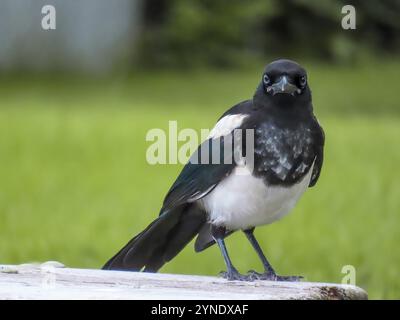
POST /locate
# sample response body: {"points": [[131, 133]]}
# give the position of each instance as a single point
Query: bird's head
{"points": [[283, 83]]}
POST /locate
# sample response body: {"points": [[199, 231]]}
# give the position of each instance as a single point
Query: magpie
{"points": [[214, 199]]}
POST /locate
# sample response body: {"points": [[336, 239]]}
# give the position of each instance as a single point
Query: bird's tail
{"points": [[161, 241]]}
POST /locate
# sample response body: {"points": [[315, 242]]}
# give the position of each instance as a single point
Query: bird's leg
{"points": [[218, 234], [269, 272], [267, 266]]}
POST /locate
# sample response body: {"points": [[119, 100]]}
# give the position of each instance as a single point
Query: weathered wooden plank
{"points": [[52, 281]]}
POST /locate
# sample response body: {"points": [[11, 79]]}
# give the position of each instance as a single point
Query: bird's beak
{"points": [[283, 85]]}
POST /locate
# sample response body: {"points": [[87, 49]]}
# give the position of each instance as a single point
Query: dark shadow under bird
{"points": [[212, 199]]}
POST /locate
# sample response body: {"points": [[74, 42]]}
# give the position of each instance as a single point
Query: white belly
{"points": [[242, 201]]}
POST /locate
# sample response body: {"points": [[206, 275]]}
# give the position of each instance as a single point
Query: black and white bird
{"points": [[212, 200]]}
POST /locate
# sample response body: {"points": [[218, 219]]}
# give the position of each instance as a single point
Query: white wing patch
{"points": [[226, 125]]}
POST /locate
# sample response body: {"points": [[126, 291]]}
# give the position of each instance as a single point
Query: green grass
{"points": [[75, 185]]}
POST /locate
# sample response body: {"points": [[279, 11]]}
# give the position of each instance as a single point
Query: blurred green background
{"points": [[75, 184]]}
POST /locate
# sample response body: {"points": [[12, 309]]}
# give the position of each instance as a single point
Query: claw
{"points": [[235, 275], [272, 277]]}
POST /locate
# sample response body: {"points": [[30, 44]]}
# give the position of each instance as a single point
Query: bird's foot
{"points": [[272, 276], [235, 275]]}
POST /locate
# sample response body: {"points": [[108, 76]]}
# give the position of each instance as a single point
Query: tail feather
{"points": [[161, 241], [205, 238]]}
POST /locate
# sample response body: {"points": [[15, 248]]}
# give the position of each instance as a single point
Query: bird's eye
{"points": [[302, 81], [266, 79]]}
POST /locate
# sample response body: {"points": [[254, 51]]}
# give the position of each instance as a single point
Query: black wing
{"points": [[199, 177], [319, 151]]}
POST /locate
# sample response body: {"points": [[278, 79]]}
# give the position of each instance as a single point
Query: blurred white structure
{"points": [[51, 281], [90, 35]]}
